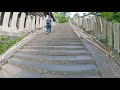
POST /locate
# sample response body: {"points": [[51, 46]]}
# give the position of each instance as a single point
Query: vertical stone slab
{"points": [[94, 26], [89, 27], [98, 28], [41, 22], [44, 21], [103, 29], [22, 21], [109, 34], [0, 14], [33, 23], [116, 30], [86, 24], [80, 22], [28, 24], [37, 22], [14, 20], [6, 19], [83, 23]]}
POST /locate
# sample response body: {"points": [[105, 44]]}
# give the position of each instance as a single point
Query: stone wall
{"points": [[105, 31], [20, 23]]}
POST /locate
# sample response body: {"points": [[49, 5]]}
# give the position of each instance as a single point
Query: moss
{"points": [[104, 41]]}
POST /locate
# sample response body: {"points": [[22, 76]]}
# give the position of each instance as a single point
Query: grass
{"points": [[7, 42]]}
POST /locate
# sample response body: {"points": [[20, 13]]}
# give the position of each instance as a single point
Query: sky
{"points": [[80, 13]]}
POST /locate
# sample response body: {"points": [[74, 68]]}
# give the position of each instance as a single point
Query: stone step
{"points": [[11, 69], [55, 59], [55, 47], [59, 40], [55, 41], [54, 44], [4, 74], [28, 74], [32, 74], [54, 52], [81, 69]]}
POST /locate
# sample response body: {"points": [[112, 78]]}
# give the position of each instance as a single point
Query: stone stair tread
{"points": [[87, 68], [56, 44], [67, 59], [4, 74], [28, 74], [11, 69], [55, 47], [54, 52]]}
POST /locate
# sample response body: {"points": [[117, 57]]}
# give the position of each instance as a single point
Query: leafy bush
{"points": [[7, 42]]}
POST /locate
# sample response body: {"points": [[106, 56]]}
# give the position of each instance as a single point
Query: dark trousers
{"points": [[48, 28]]}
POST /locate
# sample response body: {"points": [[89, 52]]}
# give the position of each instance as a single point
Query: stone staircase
{"points": [[58, 55]]}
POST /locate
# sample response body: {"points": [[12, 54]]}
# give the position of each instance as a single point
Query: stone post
{"points": [[109, 34]]}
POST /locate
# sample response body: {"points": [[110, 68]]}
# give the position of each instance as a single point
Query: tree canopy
{"points": [[110, 16], [62, 17]]}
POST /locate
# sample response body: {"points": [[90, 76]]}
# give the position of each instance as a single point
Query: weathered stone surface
{"points": [[116, 30], [33, 23], [37, 22], [6, 19], [41, 22], [14, 20], [104, 29], [12, 70], [109, 34], [22, 21], [98, 28], [28, 24]]}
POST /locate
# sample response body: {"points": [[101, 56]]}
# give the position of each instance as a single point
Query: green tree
{"points": [[110, 16], [62, 17]]}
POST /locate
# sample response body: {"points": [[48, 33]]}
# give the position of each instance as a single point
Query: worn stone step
{"points": [[54, 44], [55, 41], [55, 47], [54, 52], [4, 74], [55, 59], [81, 69], [28, 74], [32, 74], [11, 69]]}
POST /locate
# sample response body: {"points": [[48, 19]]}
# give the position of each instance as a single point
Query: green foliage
{"points": [[110, 16], [7, 42], [62, 17]]}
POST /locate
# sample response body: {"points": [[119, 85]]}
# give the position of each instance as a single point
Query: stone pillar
{"points": [[80, 22], [28, 24], [44, 21], [22, 21], [109, 34], [98, 28], [6, 19], [33, 23], [14, 20], [94, 26], [37, 22], [86, 24], [116, 30], [104, 29], [83, 23], [41, 22]]}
